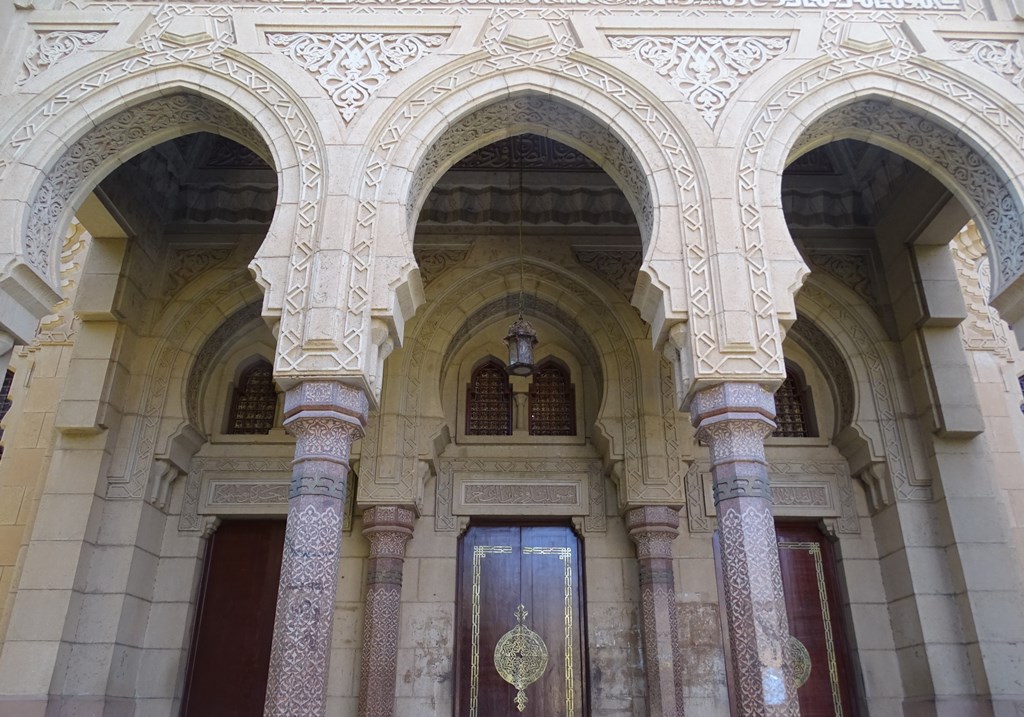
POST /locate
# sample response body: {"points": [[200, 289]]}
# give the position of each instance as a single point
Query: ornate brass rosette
{"points": [[799, 660], [520, 657]]}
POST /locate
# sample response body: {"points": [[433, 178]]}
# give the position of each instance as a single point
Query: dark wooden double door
{"points": [[234, 630], [519, 645], [812, 606]]}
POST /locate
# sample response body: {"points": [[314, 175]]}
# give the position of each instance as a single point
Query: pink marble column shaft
{"points": [[388, 528], [733, 419], [653, 529], [325, 417]]}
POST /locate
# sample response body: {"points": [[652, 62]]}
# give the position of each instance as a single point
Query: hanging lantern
{"points": [[520, 341]]}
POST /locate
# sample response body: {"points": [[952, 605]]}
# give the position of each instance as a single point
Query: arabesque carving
{"points": [[707, 69], [1003, 57], [52, 48], [352, 66]]}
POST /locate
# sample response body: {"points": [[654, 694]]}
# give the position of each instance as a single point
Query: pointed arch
{"points": [[459, 108], [118, 113], [919, 113]]}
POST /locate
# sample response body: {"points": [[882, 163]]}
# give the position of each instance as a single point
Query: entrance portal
{"points": [[520, 648]]}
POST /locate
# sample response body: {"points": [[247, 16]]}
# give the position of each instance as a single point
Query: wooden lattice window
{"points": [[489, 401], [254, 404], [793, 410], [552, 401], [5, 401]]}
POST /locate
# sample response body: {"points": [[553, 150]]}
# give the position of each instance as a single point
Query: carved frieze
{"points": [[569, 487]]}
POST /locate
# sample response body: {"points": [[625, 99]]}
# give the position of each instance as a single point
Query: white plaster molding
{"points": [[352, 66], [707, 69], [52, 48]]}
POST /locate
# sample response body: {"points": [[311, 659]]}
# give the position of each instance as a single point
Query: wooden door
{"points": [[230, 655], [519, 646], [812, 605]]}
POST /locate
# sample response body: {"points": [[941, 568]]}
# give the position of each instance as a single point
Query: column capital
{"points": [[388, 528], [325, 417], [652, 517], [327, 399], [733, 419], [733, 400]]}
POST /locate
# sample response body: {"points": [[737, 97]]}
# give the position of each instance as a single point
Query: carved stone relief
{"points": [[352, 66], [853, 268], [983, 330], [471, 486], [618, 266], [61, 326], [1003, 57], [906, 484], [74, 169], [435, 261], [707, 69], [51, 48]]}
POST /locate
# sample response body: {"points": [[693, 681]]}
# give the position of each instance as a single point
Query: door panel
{"points": [[812, 604], [230, 655], [519, 619]]}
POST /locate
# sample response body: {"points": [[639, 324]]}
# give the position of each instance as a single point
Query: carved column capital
{"points": [[733, 419], [654, 529], [325, 417], [388, 527]]}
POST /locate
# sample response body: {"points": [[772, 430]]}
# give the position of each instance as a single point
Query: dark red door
{"points": [[230, 655], [812, 604], [519, 650]]}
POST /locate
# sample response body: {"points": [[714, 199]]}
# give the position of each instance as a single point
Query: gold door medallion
{"points": [[520, 657]]}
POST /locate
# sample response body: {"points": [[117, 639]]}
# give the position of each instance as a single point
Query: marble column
{"points": [[733, 419], [388, 528], [653, 529], [325, 417]]}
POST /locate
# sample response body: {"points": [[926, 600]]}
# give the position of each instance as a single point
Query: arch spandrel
{"points": [[960, 141]]}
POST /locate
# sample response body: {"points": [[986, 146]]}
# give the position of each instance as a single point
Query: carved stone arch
{"points": [[971, 144], [873, 437], [164, 421], [613, 333], [217, 95], [209, 352], [647, 140]]}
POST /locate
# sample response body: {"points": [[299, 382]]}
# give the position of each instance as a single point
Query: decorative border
{"points": [[541, 472]]}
